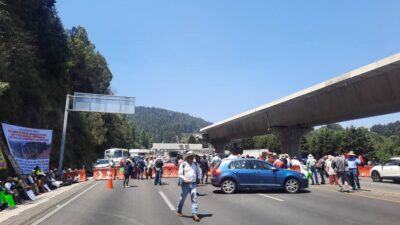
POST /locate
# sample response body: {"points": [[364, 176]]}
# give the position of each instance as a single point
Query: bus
{"points": [[116, 154]]}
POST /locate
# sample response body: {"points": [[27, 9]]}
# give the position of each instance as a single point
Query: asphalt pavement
{"points": [[145, 204]]}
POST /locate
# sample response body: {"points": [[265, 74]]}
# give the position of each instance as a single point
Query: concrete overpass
{"points": [[371, 90]]}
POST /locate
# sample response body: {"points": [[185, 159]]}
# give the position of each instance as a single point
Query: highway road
{"points": [[145, 204]]}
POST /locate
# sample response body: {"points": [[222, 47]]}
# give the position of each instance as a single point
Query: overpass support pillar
{"points": [[290, 138], [219, 145]]}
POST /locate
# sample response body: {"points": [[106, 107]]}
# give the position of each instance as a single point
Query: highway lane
{"points": [[144, 203]]}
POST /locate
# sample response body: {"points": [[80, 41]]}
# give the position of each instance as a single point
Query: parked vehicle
{"points": [[116, 155], [389, 170], [103, 163], [237, 174]]}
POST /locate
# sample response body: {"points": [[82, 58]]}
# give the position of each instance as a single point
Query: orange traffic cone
{"points": [[110, 184]]}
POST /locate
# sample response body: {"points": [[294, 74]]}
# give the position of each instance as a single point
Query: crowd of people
{"points": [[26, 187], [341, 170]]}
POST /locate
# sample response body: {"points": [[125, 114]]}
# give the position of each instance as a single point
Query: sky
{"points": [[217, 58]]}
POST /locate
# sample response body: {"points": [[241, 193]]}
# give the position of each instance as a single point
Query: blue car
{"points": [[237, 174]]}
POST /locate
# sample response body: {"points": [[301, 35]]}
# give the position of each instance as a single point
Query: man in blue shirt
{"points": [[353, 163]]}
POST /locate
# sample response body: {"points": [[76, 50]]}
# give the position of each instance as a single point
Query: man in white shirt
{"points": [[189, 175], [215, 160]]}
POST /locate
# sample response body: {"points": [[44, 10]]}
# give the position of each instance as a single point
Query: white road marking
{"points": [[63, 205], [171, 207], [267, 196]]}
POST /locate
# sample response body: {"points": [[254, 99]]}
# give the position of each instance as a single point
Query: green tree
{"points": [[191, 140], [268, 141]]}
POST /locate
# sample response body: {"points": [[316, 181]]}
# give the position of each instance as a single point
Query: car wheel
{"points": [[228, 186], [397, 180], [376, 177], [292, 185]]}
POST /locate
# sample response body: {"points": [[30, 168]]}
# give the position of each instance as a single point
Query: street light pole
{"points": [[64, 131]]}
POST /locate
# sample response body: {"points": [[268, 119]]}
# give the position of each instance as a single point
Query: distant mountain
{"points": [[163, 125]]}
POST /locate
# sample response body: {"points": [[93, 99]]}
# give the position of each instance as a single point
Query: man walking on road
{"points": [[204, 169], [353, 162], [321, 168], [339, 165], [189, 174], [158, 164], [128, 171]]}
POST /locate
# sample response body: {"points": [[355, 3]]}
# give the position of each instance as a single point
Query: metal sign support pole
{"points": [[60, 163]]}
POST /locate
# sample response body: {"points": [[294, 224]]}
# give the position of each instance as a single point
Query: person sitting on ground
{"points": [[11, 190], [31, 181], [22, 188]]}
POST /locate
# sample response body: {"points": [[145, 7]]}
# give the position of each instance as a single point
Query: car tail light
{"points": [[216, 172]]}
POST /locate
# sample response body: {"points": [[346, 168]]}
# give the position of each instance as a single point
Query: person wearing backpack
{"points": [[158, 164], [312, 166], [141, 166], [189, 176], [321, 168], [128, 170]]}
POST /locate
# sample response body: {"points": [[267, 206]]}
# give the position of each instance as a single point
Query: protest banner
{"points": [[29, 147], [3, 163]]}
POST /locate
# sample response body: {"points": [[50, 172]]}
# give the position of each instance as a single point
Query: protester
{"points": [[295, 161], [128, 171], [11, 189], [141, 167], [353, 163], [215, 160], [189, 174], [204, 169], [330, 171], [284, 160], [321, 168], [312, 166], [279, 162], [340, 164], [150, 167], [158, 164], [31, 181], [233, 156]]}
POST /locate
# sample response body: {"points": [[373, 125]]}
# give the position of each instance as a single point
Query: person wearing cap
{"points": [[353, 163], [189, 175]]}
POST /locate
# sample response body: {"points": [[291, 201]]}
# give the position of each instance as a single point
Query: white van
{"points": [[116, 155]]}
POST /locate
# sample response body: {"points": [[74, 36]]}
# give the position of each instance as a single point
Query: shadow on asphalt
{"points": [[201, 195], [263, 191], [201, 216], [131, 186]]}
